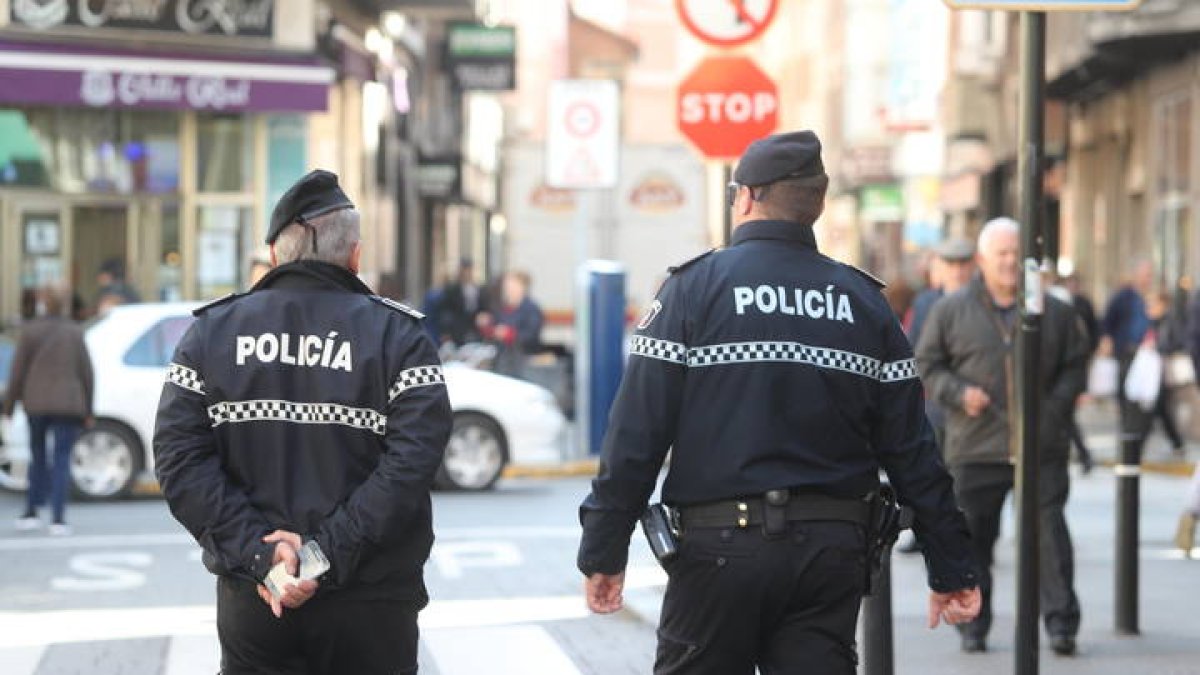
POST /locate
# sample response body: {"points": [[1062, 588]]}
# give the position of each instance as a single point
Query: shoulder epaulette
{"points": [[689, 262], [868, 276], [219, 301], [398, 306]]}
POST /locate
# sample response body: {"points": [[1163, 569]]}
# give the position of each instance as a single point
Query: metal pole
{"points": [[583, 359], [727, 221], [1028, 347], [1128, 477], [878, 652]]}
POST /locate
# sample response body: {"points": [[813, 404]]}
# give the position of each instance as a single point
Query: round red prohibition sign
{"points": [[582, 118], [726, 23]]}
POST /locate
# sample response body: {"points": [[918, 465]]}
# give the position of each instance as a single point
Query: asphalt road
{"points": [[127, 593]]}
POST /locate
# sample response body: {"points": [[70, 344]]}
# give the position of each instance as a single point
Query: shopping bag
{"points": [[1178, 370], [1102, 377], [1145, 376]]}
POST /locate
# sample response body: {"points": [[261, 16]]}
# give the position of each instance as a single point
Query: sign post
{"points": [[1029, 337], [582, 143]]}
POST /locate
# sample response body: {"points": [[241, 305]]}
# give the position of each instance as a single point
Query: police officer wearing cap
{"points": [[781, 382], [308, 411]]}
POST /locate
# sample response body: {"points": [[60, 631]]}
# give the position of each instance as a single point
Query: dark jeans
{"points": [[366, 629], [53, 480], [737, 599], [981, 490]]}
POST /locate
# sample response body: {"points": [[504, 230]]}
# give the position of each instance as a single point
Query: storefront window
{"points": [[98, 151], [1174, 182], [223, 153], [225, 240]]}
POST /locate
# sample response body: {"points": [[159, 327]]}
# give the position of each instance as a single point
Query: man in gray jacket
{"points": [[965, 356]]}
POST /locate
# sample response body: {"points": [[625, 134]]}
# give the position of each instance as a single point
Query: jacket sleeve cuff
{"points": [[950, 581], [259, 560]]}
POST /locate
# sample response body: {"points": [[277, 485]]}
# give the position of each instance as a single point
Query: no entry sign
{"points": [[726, 23], [725, 104]]}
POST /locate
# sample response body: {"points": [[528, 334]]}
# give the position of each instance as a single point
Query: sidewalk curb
{"points": [[1180, 468], [580, 467]]}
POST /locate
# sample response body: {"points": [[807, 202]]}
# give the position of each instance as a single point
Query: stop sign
{"points": [[724, 104]]}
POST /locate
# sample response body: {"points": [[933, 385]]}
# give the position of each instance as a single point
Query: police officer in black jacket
{"points": [[308, 410], [781, 382]]}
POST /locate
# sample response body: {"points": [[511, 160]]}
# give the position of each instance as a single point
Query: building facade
{"points": [[150, 134], [1130, 83]]}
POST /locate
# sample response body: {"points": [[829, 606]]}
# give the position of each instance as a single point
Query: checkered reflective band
{"points": [[795, 352], [896, 371], [298, 413], [663, 350], [185, 377], [421, 376]]}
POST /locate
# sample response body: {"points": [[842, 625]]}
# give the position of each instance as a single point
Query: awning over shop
{"points": [[81, 76]]}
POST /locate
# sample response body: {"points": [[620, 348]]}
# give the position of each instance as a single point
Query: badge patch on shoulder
{"points": [[651, 313]]}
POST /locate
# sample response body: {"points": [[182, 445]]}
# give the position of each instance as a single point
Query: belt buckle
{"points": [[743, 515]]}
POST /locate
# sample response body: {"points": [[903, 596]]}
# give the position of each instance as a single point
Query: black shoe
{"points": [[973, 645], [1063, 645]]}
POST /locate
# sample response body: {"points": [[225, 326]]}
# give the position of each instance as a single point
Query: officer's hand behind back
{"points": [[954, 607], [603, 592]]}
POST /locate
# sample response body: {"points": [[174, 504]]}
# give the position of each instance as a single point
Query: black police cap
{"points": [[314, 195], [792, 155]]}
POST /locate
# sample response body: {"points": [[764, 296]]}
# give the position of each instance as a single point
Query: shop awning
{"points": [[83, 76]]}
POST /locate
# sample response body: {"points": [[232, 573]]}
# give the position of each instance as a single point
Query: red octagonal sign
{"points": [[725, 104]]}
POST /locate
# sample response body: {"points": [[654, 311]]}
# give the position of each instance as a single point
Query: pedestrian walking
{"points": [[781, 382], [966, 357], [52, 378], [304, 420], [1167, 335], [950, 270], [1124, 327], [1066, 289], [1185, 532], [461, 303]]}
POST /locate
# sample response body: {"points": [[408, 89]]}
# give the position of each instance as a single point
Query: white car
{"points": [[497, 420]]}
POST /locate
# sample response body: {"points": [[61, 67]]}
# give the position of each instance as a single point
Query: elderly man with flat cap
{"points": [[298, 433], [781, 383]]}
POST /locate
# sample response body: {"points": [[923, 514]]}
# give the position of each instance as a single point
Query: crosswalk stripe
{"points": [[21, 660], [508, 650], [193, 655], [505, 625]]}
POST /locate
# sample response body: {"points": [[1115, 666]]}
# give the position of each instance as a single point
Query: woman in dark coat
{"points": [[52, 378]]}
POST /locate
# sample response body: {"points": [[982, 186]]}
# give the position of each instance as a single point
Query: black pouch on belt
{"points": [[775, 513]]}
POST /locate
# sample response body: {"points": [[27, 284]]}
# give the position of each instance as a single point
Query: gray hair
{"points": [[996, 226], [336, 235]]}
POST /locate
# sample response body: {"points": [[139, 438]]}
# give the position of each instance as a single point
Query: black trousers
{"points": [[367, 629], [737, 599], [981, 489]]}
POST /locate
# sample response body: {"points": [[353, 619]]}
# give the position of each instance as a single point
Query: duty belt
{"points": [[773, 509]]}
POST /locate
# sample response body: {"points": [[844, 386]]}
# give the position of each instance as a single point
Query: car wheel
{"points": [[475, 455], [105, 462]]}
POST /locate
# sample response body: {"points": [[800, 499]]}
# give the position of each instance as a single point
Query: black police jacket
{"points": [[767, 365], [308, 405]]}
